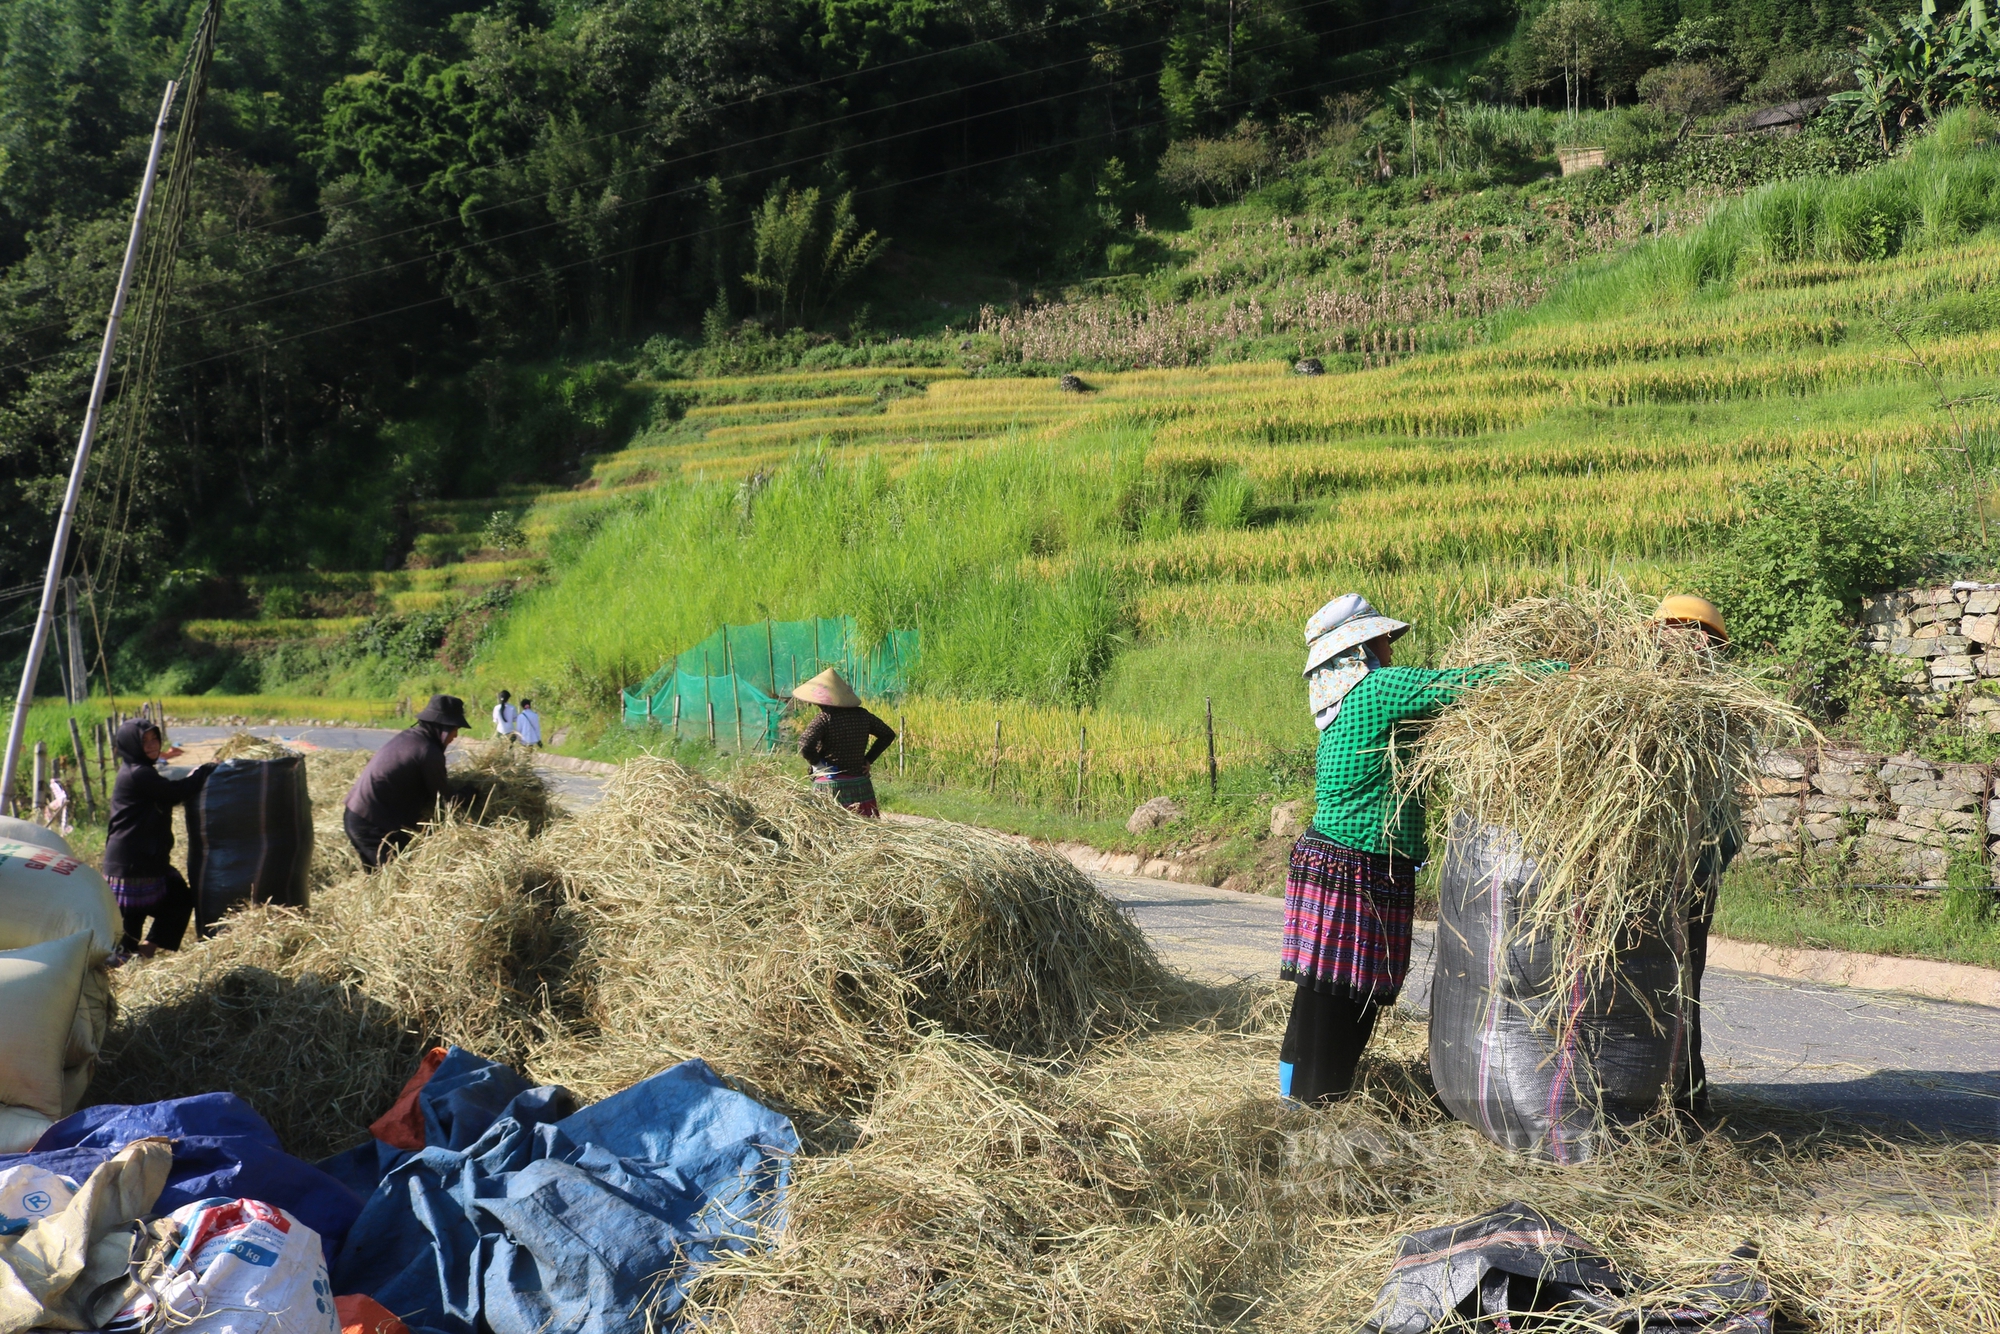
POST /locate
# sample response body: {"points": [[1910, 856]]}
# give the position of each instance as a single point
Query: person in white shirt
{"points": [[504, 717], [528, 725]]}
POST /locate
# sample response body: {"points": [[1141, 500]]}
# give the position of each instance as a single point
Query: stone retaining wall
{"points": [[1900, 817], [1946, 640]]}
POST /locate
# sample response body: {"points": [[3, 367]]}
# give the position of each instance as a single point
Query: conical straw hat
{"points": [[828, 688]]}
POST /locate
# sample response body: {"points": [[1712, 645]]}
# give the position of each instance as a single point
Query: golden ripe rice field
{"points": [[1226, 503]]}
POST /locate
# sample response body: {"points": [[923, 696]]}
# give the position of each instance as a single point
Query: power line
{"points": [[544, 273]]}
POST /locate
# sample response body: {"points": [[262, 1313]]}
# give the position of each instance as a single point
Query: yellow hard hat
{"points": [[1687, 607]]}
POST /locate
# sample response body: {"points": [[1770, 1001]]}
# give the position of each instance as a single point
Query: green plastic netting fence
{"points": [[731, 688]]}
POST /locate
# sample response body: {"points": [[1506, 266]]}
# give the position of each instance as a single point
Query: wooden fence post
{"points": [[1082, 739], [1210, 706], [82, 767]]}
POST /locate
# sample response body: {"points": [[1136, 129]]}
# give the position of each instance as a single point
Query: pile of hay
{"points": [[810, 947], [797, 947], [317, 1018], [329, 774], [1616, 775], [500, 782], [1021, 1121], [1160, 1186]]}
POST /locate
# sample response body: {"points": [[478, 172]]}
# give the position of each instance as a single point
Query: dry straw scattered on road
{"points": [[1014, 1119]]}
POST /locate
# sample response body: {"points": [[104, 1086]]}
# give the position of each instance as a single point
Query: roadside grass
{"points": [[1961, 926]]}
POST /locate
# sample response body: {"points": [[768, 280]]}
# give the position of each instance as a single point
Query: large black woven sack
{"points": [[1534, 1072], [250, 837]]}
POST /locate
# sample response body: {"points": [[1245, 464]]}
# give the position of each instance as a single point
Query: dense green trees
{"points": [[415, 218]]}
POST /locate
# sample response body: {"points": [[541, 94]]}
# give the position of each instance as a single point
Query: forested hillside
{"points": [[430, 249]]}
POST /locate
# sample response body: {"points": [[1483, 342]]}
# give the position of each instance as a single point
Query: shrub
{"points": [[1218, 169], [1686, 91], [1792, 577]]}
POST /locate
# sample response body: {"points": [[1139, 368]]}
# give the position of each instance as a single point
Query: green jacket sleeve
{"points": [[1419, 692]]}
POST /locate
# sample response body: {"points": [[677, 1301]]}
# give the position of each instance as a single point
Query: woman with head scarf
{"points": [[843, 743], [140, 836], [1351, 888], [404, 783]]}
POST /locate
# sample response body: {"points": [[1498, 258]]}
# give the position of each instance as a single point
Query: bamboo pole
{"points": [[902, 746], [41, 781], [66, 519], [993, 784]]}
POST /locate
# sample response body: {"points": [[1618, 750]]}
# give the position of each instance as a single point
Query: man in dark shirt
{"points": [[843, 743], [404, 783]]}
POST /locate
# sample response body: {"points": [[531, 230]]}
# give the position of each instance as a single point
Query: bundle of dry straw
{"points": [[792, 944], [500, 782], [1616, 775], [250, 746]]}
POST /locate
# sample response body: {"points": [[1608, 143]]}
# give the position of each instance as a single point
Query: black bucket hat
{"points": [[445, 711]]}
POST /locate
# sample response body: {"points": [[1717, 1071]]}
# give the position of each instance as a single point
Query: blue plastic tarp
{"points": [[521, 1217], [221, 1148]]}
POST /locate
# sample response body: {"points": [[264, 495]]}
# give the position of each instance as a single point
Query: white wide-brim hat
{"points": [[1344, 622]]}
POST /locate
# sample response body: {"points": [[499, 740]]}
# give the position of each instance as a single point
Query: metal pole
{"points": [[82, 766], [1210, 705], [59, 549]]}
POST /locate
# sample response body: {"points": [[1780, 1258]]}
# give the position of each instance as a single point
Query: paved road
{"points": [[1878, 1057]]}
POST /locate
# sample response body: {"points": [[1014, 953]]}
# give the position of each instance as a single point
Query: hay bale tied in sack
{"points": [[1588, 805], [804, 949]]}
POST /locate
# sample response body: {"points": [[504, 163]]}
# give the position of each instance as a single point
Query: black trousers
{"points": [[170, 917], [1692, 1091], [374, 845], [1323, 1042]]}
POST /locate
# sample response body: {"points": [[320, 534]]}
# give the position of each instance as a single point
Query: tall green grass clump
{"points": [[1944, 190], [947, 546]]}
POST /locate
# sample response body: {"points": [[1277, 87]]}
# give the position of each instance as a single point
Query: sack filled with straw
{"points": [[1615, 776]]}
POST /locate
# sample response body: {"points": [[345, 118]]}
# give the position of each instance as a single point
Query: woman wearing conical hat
{"points": [[843, 743]]}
